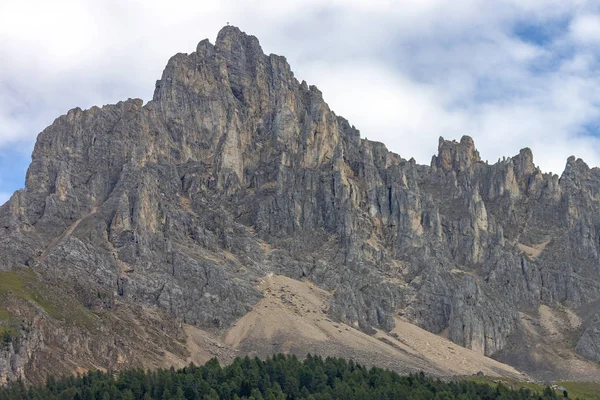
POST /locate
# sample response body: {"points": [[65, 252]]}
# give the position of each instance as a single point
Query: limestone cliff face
{"points": [[15, 354], [235, 169]]}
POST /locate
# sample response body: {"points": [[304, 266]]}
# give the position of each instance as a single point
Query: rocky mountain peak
{"points": [[230, 38], [523, 162], [235, 170], [575, 167], [453, 156]]}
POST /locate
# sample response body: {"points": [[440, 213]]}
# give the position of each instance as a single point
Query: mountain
{"points": [[236, 213]]}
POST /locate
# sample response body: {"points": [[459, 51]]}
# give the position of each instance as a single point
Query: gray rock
{"points": [[588, 344], [235, 169]]}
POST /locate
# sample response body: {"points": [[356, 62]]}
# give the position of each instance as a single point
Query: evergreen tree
{"points": [[277, 378]]}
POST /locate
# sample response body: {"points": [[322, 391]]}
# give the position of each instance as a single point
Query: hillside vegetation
{"points": [[280, 377]]}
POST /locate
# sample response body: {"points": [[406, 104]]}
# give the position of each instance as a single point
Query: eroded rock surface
{"points": [[235, 169]]}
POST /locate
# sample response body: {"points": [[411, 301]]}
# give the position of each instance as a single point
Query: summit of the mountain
{"points": [[234, 171]]}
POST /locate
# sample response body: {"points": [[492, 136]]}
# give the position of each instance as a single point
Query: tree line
{"points": [[277, 378]]}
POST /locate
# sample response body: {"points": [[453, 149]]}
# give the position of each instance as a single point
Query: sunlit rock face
{"points": [[235, 170]]}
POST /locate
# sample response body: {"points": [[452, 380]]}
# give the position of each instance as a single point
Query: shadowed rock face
{"points": [[235, 170]]}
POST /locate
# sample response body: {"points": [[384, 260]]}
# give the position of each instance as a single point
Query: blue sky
{"points": [[509, 73]]}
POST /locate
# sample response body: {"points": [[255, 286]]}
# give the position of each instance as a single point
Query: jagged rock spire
{"points": [[453, 156]]}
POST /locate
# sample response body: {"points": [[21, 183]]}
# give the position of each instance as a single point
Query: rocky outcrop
{"points": [[588, 344], [235, 169], [16, 351]]}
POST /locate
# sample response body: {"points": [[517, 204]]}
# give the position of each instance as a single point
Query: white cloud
{"points": [[404, 72], [586, 29]]}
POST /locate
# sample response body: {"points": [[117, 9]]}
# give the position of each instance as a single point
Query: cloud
{"points": [[510, 73], [586, 29]]}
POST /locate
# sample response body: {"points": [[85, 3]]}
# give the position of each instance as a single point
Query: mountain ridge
{"points": [[236, 170]]}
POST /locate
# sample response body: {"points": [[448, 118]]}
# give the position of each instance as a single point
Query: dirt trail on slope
{"points": [[63, 236]]}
